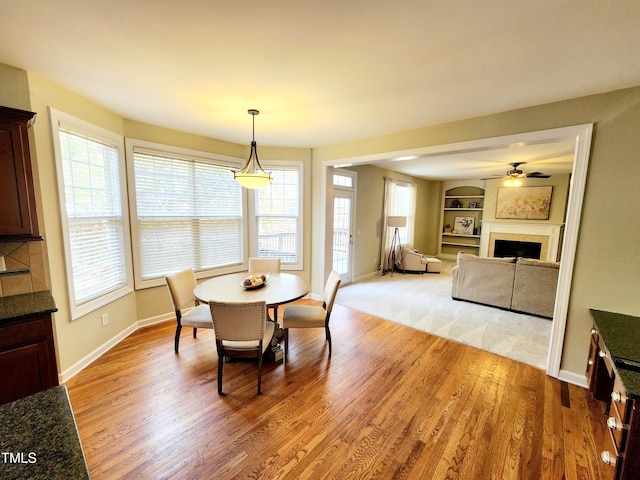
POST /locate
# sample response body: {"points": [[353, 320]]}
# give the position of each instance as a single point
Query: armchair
{"points": [[413, 261]]}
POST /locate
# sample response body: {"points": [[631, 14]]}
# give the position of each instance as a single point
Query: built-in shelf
{"points": [[463, 198], [453, 244], [21, 271]]}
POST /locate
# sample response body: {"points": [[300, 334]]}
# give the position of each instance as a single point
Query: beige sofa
{"points": [[522, 284]]}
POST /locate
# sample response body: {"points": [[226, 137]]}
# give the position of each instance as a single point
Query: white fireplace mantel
{"points": [[551, 231]]}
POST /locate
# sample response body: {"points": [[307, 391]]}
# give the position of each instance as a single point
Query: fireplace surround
{"points": [[546, 233]]}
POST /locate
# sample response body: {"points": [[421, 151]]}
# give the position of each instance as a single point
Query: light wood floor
{"points": [[392, 402]]}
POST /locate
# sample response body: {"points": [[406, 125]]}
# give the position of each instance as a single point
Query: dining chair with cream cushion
{"points": [[264, 265], [181, 285], [242, 331], [311, 316]]}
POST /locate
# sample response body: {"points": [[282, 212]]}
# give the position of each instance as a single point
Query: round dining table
{"points": [[280, 288]]}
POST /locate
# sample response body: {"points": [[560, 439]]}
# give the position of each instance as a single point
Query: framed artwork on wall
{"points": [[524, 203], [464, 225]]}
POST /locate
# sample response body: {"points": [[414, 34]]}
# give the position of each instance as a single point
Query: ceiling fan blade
{"points": [[537, 175]]}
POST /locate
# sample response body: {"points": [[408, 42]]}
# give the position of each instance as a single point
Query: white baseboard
{"points": [[84, 362], [574, 378], [155, 320], [365, 277]]}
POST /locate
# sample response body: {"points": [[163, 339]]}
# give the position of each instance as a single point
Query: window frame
{"points": [[131, 144], [63, 121], [253, 218]]}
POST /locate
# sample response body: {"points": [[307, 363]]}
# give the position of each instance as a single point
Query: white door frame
{"points": [[350, 194], [581, 136]]}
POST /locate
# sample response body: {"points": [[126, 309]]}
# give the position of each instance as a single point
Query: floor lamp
{"points": [[395, 223]]}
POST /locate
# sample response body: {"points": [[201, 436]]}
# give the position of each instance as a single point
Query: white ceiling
{"points": [[547, 158], [327, 71]]}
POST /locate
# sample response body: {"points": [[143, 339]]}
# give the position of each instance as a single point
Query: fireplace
{"points": [[514, 248], [546, 234]]}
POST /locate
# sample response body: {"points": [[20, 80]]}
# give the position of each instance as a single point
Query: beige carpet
{"points": [[424, 302]]}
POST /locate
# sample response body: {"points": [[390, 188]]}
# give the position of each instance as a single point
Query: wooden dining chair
{"points": [[312, 316], [181, 285], [242, 331]]}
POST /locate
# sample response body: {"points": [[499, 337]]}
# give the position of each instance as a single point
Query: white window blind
{"points": [[278, 217], [404, 205], [90, 172], [189, 214]]}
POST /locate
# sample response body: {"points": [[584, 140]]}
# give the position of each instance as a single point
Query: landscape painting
{"points": [[524, 203]]}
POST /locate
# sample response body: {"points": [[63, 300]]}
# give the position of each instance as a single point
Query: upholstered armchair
{"points": [[410, 260]]}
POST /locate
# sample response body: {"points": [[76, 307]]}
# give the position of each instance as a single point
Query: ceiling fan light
{"points": [[512, 182]]}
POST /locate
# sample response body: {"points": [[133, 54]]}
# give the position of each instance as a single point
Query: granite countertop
{"points": [[17, 306], [621, 335], [39, 438]]}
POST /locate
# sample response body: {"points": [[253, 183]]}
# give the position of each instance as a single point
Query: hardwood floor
{"points": [[392, 402]]}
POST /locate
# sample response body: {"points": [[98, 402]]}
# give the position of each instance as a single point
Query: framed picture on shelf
{"points": [[473, 204], [464, 225]]}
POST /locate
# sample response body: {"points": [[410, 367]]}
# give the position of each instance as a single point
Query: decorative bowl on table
{"points": [[255, 280]]}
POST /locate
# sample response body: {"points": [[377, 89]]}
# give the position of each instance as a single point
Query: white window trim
{"points": [[253, 234], [132, 144], [57, 119], [345, 173]]}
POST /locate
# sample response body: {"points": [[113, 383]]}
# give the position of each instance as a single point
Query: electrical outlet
{"points": [[105, 319]]}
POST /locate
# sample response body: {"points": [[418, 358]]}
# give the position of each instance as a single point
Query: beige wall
{"points": [[14, 88], [560, 184], [81, 338], [369, 200], [607, 265]]}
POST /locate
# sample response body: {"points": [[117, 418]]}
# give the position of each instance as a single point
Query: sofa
{"points": [[519, 284], [411, 260]]}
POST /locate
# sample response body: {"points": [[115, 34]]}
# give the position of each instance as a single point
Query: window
{"points": [[187, 210], [278, 217], [90, 168], [403, 205], [343, 180], [399, 200]]}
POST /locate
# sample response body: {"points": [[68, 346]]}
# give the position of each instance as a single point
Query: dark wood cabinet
{"points": [[599, 372], [27, 357], [18, 219], [621, 409]]}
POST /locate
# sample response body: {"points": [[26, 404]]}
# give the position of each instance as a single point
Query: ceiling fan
{"points": [[516, 173]]}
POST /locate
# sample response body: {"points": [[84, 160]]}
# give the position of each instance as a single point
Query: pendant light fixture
{"points": [[252, 174]]}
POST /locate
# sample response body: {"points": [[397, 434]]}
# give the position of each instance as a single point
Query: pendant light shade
{"points": [[252, 174]]}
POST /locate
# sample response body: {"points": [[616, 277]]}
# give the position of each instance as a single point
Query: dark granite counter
{"points": [[17, 306], [621, 335], [39, 438]]}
